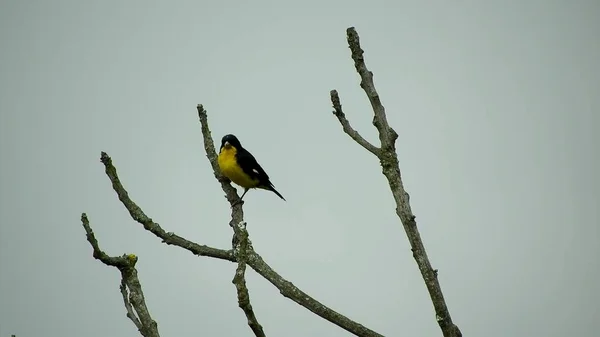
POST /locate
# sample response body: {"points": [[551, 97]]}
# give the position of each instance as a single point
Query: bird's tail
{"points": [[271, 188]]}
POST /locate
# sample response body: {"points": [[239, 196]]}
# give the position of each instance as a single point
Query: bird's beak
{"points": [[227, 145]]}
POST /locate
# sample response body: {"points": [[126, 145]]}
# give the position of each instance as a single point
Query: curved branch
{"points": [[138, 215]]}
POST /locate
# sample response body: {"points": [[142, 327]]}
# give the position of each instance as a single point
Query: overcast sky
{"points": [[497, 109]]}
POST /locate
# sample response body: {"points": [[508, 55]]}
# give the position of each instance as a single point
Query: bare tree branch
{"points": [[391, 169], [254, 260], [387, 135], [134, 301], [138, 215], [337, 111], [237, 212], [239, 280], [242, 251]]}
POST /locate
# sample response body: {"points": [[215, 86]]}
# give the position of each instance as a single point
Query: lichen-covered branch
{"points": [[239, 280], [131, 289], [391, 169]]}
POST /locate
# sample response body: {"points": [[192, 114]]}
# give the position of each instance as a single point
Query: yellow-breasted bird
{"points": [[240, 166]]}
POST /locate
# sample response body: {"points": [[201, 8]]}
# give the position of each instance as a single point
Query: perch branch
{"points": [[131, 289], [237, 212], [240, 241], [285, 287], [391, 169], [239, 280]]}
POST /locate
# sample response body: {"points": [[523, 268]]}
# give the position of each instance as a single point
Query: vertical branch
{"points": [[131, 289], [388, 159], [237, 212], [239, 280], [388, 136], [240, 241]]}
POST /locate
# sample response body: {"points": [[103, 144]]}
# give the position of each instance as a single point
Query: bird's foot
{"points": [[237, 202]]}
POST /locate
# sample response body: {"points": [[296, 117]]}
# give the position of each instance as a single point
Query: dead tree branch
{"points": [[138, 215], [388, 159], [286, 288], [239, 280], [339, 113], [131, 289], [254, 260], [240, 242], [242, 251]]}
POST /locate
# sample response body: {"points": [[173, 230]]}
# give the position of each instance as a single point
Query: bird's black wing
{"points": [[251, 167]]}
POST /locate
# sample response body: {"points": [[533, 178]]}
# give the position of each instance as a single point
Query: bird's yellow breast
{"points": [[230, 168]]}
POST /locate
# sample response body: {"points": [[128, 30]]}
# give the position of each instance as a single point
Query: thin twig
{"points": [[337, 111], [391, 169], [135, 304], [239, 280]]}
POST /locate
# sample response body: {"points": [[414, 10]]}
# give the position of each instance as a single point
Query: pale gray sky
{"points": [[497, 108]]}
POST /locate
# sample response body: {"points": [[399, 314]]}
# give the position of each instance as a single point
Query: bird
{"points": [[240, 166]]}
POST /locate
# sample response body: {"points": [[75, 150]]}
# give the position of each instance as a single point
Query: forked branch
{"points": [[131, 289], [388, 159], [254, 260], [348, 129]]}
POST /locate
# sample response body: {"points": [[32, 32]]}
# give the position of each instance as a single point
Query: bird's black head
{"points": [[230, 140]]}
